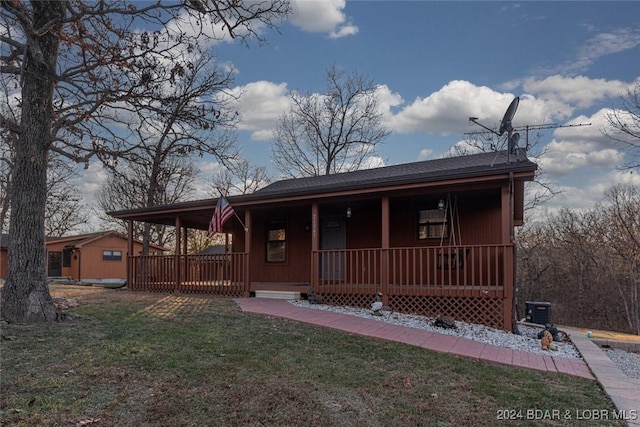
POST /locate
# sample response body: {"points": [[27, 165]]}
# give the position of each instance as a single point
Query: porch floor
{"points": [[425, 339]]}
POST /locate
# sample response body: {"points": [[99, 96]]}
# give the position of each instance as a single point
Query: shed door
{"points": [[333, 238], [54, 264]]}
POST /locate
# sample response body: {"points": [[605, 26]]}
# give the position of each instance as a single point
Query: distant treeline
{"points": [[586, 264]]}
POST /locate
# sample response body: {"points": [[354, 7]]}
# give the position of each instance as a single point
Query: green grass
{"points": [[129, 359]]}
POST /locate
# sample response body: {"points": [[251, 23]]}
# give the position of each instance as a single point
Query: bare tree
{"points": [[131, 186], [239, 178], [586, 263], [623, 237], [186, 116], [65, 209], [332, 132], [533, 261], [624, 125], [80, 67], [6, 156]]}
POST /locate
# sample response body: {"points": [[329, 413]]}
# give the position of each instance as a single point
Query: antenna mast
{"points": [[525, 128]]}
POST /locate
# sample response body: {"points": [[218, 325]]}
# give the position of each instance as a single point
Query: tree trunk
{"points": [[25, 295]]}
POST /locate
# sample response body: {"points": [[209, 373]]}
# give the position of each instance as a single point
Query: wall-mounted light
{"points": [[348, 212], [441, 204]]}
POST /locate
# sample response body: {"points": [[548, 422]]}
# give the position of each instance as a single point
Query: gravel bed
{"points": [[527, 341], [626, 361]]}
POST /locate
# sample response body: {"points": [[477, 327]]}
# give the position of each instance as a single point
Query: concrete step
{"points": [[288, 295]]}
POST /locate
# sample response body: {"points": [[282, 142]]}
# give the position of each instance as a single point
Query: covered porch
{"points": [[434, 243], [349, 248]]}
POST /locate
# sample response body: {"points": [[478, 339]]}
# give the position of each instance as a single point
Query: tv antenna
{"points": [[514, 135]]}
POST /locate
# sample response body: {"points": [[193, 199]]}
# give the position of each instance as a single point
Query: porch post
{"points": [[185, 233], [129, 275], [384, 277], [507, 259], [177, 265], [315, 245], [247, 250], [505, 208]]}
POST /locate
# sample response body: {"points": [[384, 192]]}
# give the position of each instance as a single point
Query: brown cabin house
{"points": [[434, 237], [91, 257]]}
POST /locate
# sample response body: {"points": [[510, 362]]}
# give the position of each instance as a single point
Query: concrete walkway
{"points": [[623, 391]]}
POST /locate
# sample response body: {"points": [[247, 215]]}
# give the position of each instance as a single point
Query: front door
{"points": [[333, 238], [54, 264]]}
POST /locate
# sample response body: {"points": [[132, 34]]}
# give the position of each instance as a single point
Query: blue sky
{"points": [[438, 63]]}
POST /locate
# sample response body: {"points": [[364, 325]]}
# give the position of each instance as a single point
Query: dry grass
{"points": [[135, 359]]}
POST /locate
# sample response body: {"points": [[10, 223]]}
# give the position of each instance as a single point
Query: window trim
{"points": [[430, 224], [111, 255]]}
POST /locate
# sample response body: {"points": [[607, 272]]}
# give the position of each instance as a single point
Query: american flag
{"points": [[223, 212]]}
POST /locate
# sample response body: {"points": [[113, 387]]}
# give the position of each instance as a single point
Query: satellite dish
{"points": [[505, 125]]}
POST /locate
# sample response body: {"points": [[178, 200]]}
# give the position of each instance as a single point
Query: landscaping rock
{"points": [[312, 296], [445, 322]]}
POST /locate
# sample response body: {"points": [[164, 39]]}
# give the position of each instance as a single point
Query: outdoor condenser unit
{"points": [[538, 312]]}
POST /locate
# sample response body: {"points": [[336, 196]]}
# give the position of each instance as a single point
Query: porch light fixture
{"points": [[441, 204], [348, 212]]}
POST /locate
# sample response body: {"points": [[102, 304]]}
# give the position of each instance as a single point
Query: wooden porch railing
{"points": [[469, 271], [458, 271], [214, 274]]}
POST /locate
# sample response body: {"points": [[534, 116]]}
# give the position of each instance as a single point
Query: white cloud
{"points": [[627, 177], [588, 192], [343, 31], [425, 154], [260, 105], [604, 44], [582, 147], [592, 129], [197, 26], [580, 90], [562, 158], [209, 167], [372, 162], [90, 182], [387, 100], [325, 16], [574, 198], [448, 110]]}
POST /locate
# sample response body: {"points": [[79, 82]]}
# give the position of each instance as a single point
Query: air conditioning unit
{"points": [[538, 312]]}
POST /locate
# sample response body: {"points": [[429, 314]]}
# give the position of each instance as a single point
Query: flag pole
{"points": [[241, 223]]}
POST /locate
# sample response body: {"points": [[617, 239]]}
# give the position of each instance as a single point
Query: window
{"points": [[276, 241], [432, 224], [112, 255]]}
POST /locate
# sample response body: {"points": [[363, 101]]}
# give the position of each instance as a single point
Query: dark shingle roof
{"points": [[429, 170], [475, 165]]}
